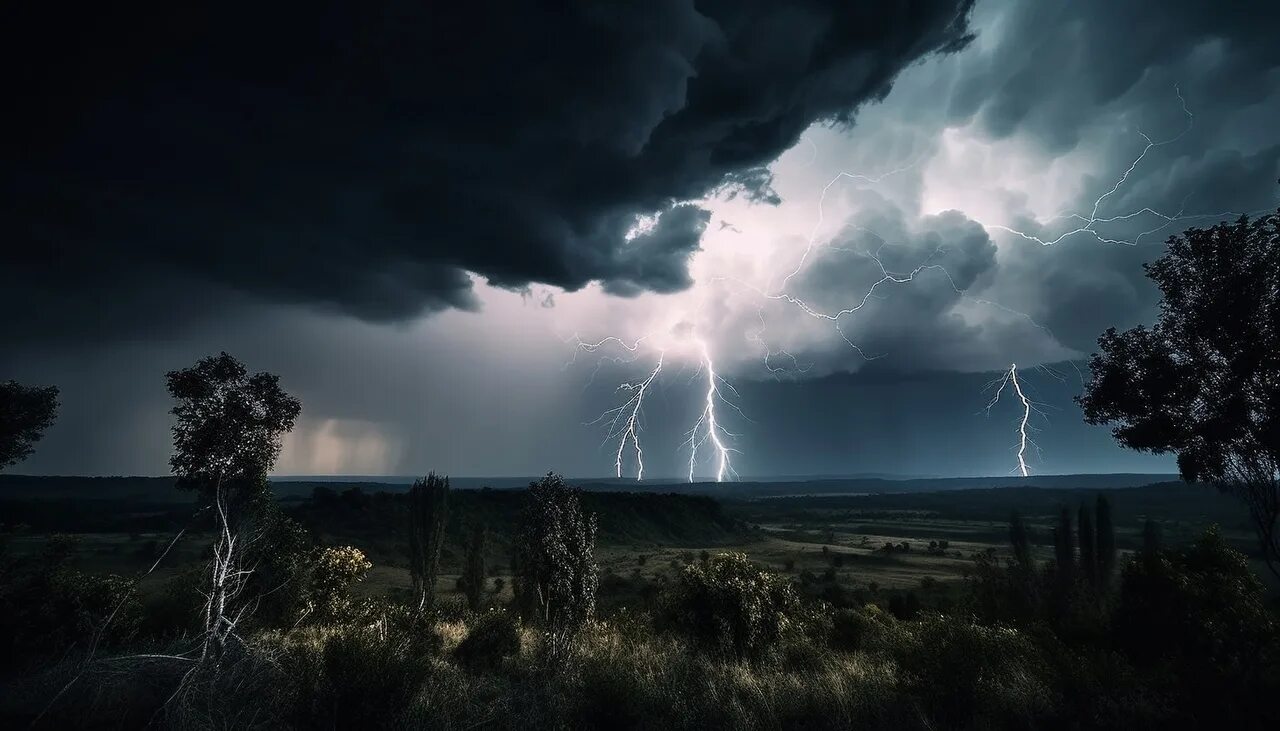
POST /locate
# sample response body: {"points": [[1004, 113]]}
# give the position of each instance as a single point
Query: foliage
{"points": [[1197, 619], [226, 437], [1106, 542], [333, 572], [493, 637], [474, 569], [1204, 381], [228, 424], [48, 608], [428, 515], [967, 674], [25, 413], [555, 550], [732, 606]]}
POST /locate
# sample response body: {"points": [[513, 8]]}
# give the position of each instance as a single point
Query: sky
{"points": [[466, 238]]}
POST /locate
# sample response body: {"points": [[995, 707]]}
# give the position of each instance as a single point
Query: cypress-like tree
{"points": [[1088, 546], [1064, 551], [555, 544], [428, 513], [475, 568], [1106, 542], [1064, 548], [1150, 542], [1020, 540]]}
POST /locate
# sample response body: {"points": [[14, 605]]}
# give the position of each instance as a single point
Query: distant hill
{"points": [[161, 489], [879, 485]]}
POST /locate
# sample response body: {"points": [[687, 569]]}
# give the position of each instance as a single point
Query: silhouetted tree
{"points": [[1150, 542], [557, 569], [226, 437], [475, 570], [1106, 542], [1064, 549], [1088, 546], [1064, 553], [1020, 541], [1204, 381], [25, 413], [428, 514]]}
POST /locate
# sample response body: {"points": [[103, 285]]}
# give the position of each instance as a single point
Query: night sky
{"points": [[858, 214]]}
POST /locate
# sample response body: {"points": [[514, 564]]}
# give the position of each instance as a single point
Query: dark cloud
{"points": [[361, 156], [1061, 61]]}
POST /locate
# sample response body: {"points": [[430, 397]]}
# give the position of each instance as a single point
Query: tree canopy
{"points": [[229, 423], [1203, 382], [25, 413]]}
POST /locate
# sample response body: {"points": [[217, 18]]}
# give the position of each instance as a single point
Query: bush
{"points": [[1196, 619], [333, 572], [48, 608], [968, 675], [494, 637], [354, 676], [732, 606]]}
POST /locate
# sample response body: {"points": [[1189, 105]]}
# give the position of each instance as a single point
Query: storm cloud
{"points": [[364, 157]]}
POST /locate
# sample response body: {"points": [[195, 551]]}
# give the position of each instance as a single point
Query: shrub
{"points": [[1197, 619], [494, 637], [354, 676], [730, 605], [333, 572], [968, 675]]}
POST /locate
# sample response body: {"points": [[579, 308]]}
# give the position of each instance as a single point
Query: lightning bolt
{"points": [[1010, 378], [707, 428], [1088, 223], [630, 431]]}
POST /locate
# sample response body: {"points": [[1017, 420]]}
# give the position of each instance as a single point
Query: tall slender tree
{"points": [[1106, 542], [1088, 545], [1064, 552], [428, 514], [558, 572], [1151, 541], [1019, 540], [475, 567], [1064, 548]]}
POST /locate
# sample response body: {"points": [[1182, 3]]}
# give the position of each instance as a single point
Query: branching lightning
{"points": [[708, 429], [1010, 378], [625, 422]]}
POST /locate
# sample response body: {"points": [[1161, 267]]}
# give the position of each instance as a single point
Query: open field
{"points": [[834, 544]]}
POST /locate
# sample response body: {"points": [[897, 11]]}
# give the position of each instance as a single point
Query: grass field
{"points": [[824, 540]]}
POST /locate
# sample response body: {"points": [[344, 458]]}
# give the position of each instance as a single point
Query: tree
{"points": [[1203, 383], [25, 413], [226, 437], [428, 514], [1020, 540], [1088, 546], [555, 547], [474, 569], [1106, 542], [1064, 553]]}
